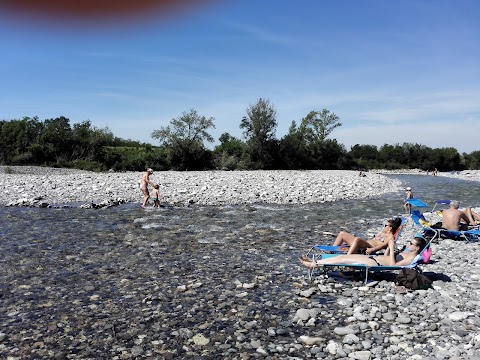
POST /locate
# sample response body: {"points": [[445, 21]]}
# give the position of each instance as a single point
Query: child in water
{"points": [[156, 195]]}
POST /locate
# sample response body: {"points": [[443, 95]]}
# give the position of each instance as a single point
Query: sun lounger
{"points": [[468, 235], [424, 225], [415, 202], [366, 269], [441, 202]]}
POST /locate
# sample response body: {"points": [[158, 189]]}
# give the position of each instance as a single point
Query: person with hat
{"points": [[408, 195]]}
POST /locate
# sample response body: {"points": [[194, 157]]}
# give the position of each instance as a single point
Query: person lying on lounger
{"points": [[379, 242], [390, 258], [455, 219]]}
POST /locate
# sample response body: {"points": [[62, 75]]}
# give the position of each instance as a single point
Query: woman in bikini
{"points": [[415, 246], [379, 242]]}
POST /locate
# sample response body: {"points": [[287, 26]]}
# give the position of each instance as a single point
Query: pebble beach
{"points": [[38, 186], [154, 286]]}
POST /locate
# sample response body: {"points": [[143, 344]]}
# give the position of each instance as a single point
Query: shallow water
{"points": [[297, 225], [57, 262]]}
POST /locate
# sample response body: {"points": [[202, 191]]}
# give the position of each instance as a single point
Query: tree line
{"points": [[307, 145]]}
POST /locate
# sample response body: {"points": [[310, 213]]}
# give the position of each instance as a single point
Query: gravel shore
{"points": [[472, 175], [42, 187]]}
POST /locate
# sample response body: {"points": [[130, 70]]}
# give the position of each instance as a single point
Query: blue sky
{"points": [[393, 71]]}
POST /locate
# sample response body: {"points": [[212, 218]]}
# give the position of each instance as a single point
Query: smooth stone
{"points": [[343, 331]]}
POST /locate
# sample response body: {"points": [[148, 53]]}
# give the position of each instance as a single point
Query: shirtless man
{"points": [[144, 181], [452, 217]]}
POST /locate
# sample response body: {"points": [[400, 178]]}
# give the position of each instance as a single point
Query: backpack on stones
{"points": [[412, 279]]}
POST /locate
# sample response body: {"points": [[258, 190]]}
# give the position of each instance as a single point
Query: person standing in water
{"points": [[144, 181], [156, 195], [408, 195]]}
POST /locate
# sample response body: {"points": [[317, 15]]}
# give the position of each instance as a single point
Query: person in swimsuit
{"points": [[144, 181], [408, 195], [379, 242], [404, 258], [156, 195]]}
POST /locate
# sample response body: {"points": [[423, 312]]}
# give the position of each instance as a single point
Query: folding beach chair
{"points": [[467, 235], [366, 269], [426, 227], [415, 202], [343, 249], [441, 202]]}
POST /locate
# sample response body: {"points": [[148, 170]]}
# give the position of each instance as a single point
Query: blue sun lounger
{"points": [[441, 202], [468, 235], [415, 202], [423, 224], [367, 268]]}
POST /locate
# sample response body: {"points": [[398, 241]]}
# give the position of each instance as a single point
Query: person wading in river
{"points": [[144, 181]]}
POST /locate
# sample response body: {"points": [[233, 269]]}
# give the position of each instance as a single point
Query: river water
{"points": [[57, 262], [24, 223]]}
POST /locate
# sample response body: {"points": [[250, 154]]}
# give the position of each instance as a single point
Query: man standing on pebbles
{"points": [[144, 181]]}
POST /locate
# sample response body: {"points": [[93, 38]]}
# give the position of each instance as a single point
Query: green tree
{"points": [[259, 130], [318, 125], [393, 156], [228, 154], [472, 160], [447, 159], [81, 134], [296, 149], [230, 145], [365, 156], [418, 156], [306, 146], [56, 140], [17, 138], [184, 139], [330, 155]]}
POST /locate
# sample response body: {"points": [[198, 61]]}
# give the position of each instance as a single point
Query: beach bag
{"points": [[412, 279], [426, 255]]}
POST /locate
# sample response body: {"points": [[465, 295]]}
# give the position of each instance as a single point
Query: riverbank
{"points": [[472, 175], [43, 187]]}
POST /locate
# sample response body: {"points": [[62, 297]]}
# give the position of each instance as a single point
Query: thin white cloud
{"points": [[260, 34]]}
